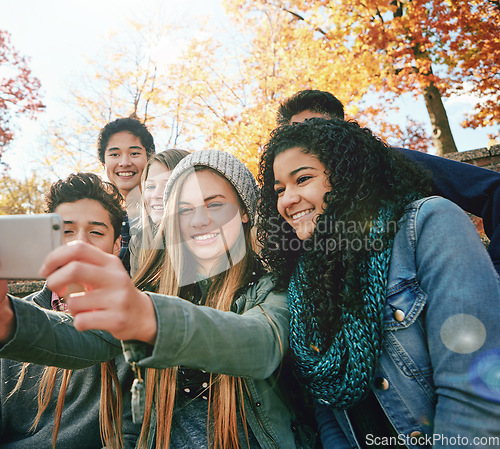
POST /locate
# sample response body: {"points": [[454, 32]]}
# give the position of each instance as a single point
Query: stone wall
{"points": [[482, 157], [24, 288]]}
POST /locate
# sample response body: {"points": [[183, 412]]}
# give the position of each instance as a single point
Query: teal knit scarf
{"points": [[341, 375]]}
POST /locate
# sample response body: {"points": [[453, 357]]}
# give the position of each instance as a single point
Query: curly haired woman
{"points": [[394, 301]]}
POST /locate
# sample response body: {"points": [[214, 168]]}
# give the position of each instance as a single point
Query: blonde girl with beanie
{"points": [[213, 333]]}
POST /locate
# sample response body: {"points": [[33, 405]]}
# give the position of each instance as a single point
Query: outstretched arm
{"points": [[30, 333], [181, 333], [474, 189], [461, 321]]}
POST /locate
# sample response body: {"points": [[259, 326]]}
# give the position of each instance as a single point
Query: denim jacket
{"points": [[437, 379], [249, 343]]}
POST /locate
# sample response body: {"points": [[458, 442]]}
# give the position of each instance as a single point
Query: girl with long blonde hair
{"points": [[213, 333], [153, 181]]}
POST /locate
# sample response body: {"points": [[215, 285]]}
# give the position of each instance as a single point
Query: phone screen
{"points": [[25, 241]]}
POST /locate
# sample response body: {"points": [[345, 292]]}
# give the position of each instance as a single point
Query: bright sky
{"points": [[60, 36]]}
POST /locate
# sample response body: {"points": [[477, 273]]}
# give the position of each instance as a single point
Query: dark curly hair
{"points": [[366, 175], [317, 101], [81, 186], [130, 125]]}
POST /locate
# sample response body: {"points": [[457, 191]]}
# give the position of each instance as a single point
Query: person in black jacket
{"points": [[474, 189]]}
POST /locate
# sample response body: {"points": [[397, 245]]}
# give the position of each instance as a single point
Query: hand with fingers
{"points": [[7, 319], [110, 301]]}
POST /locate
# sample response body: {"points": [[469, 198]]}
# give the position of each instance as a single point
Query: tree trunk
{"points": [[441, 133]]}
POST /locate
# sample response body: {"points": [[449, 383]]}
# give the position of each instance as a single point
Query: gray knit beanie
{"points": [[228, 166]]}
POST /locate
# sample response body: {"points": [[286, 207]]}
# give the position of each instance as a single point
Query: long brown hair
{"points": [[225, 393], [168, 158], [110, 407]]}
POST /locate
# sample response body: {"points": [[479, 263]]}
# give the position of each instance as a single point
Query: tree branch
{"points": [[299, 17], [495, 2]]}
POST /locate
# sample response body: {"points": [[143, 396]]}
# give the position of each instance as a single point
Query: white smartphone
{"points": [[25, 241]]}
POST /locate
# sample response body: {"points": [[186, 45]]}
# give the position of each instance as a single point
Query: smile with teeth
{"points": [[126, 174], [205, 236], [301, 214], [157, 207]]}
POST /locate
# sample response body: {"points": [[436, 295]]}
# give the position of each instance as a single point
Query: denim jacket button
{"points": [[399, 315], [381, 383], [258, 404], [416, 434]]}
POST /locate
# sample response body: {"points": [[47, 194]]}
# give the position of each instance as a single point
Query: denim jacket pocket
{"points": [[405, 301], [404, 334]]}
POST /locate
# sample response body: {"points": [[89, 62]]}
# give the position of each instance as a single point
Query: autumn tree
{"points": [[221, 90], [204, 96], [391, 47], [64, 150], [19, 90], [232, 85], [481, 65], [22, 196], [219, 104]]}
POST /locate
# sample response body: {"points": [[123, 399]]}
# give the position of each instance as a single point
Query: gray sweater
{"points": [[79, 428]]}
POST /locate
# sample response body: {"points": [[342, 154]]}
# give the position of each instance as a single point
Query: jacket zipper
{"points": [[257, 416]]}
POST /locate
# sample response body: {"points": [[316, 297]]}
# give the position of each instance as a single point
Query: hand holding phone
{"points": [[110, 302], [25, 241], [7, 321]]}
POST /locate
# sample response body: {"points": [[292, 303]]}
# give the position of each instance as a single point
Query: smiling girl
{"points": [[394, 301], [153, 181], [214, 330]]}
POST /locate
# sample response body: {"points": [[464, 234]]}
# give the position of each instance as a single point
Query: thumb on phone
{"points": [[7, 320], [3, 288]]}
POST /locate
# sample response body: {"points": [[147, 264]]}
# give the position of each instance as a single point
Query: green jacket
{"points": [[79, 428], [250, 343]]}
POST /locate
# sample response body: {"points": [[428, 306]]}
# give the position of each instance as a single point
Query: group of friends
{"points": [[345, 300]]}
